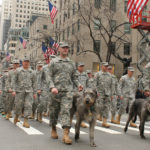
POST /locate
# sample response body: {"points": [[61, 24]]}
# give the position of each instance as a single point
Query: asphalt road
{"points": [[38, 137]]}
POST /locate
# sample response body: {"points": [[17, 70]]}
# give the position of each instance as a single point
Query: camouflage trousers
{"points": [[113, 105], [127, 101], [1, 103], [43, 102], [103, 103], [23, 101], [9, 102], [35, 103], [61, 105]]}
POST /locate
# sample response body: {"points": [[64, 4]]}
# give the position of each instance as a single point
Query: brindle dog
{"points": [[84, 105], [140, 107]]}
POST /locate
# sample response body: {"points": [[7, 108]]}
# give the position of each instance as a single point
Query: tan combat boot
{"points": [[104, 124], [3, 113], [7, 116], [113, 120], [100, 118], [118, 119], [16, 119], [10, 115], [39, 117], [54, 134], [66, 139], [133, 125], [83, 125], [32, 116], [26, 124]]}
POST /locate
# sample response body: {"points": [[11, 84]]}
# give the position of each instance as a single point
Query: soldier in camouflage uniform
{"points": [[62, 78], [24, 88], [128, 86], [91, 80], [37, 101], [1, 102], [83, 79], [116, 92], [4, 89], [104, 89], [43, 90], [11, 99]]}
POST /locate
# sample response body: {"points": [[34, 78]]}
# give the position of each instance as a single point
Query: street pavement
{"points": [[38, 137]]}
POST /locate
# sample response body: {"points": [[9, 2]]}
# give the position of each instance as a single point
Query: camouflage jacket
{"points": [[104, 83], [4, 84], [24, 81], [82, 78], [91, 83], [62, 74], [128, 86]]}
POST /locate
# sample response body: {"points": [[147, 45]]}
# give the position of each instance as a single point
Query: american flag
{"points": [[135, 7], [8, 56], [54, 45], [53, 11], [23, 42]]}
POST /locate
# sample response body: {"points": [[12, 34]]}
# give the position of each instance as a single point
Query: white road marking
{"points": [[72, 130], [103, 129], [29, 131], [130, 128]]}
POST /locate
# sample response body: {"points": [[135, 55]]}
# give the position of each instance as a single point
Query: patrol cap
{"points": [[26, 58], [105, 64], [80, 64], [131, 69], [63, 44], [109, 67], [40, 64], [89, 71], [15, 61]]}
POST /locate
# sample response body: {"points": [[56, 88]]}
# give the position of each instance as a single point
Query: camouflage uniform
{"points": [[104, 88], [43, 87], [24, 84], [1, 99], [128, 89], [115, 93], [4, 89], [62, 75]]}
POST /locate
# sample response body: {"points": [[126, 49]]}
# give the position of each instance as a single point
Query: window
{"points": [[97, 45], [56, 23], [113, 5], [97, 3], [78, 46], [63, 35], [78, 24], [113, 46], [68, 32], [78, 4], [127, 28], [73, 30], [112, 25], [73, 9], [68, 13], [72, 49], [127, 49], [97, 23], [45, 27], [125, 5]]}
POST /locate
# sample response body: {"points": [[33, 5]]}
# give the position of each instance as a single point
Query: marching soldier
{"points": [[62, 78], [91, 80], [116, 92], [24, 88], [127, 85], [104, 88]]}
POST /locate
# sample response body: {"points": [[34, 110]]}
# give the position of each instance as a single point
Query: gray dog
{"points": [[141, 108], [84, 105]]}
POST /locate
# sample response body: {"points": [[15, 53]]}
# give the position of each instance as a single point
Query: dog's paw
{"points": [[92, 144], [76, 136]]}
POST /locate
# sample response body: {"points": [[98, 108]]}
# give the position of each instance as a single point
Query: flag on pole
{"points": [[44, 48], [23, 42], [8, 56], [53, 11], [54, 45], [134, 8]]}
